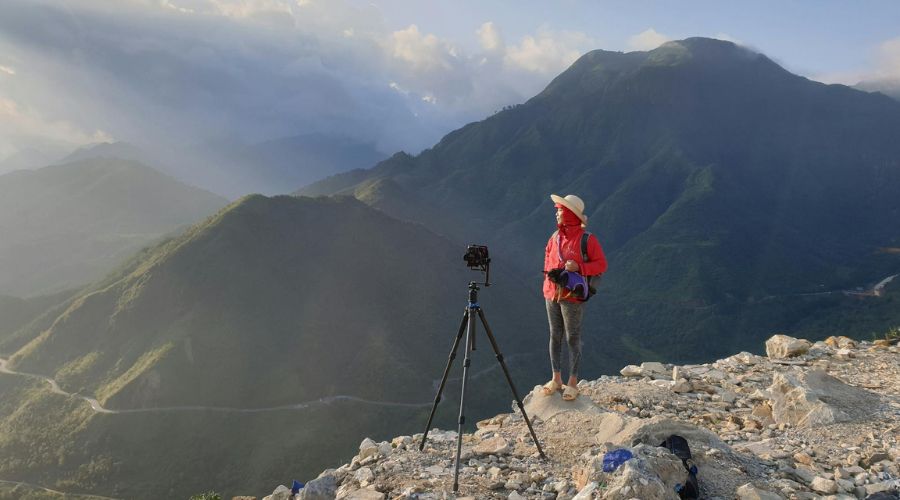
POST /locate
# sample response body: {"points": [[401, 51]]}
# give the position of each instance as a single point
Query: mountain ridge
{"points": [[65, 225], [708, 172]]}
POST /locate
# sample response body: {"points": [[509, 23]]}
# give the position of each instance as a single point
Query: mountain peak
{"points": [[599, 69]]}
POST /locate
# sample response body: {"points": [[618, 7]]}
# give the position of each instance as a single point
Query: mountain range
{"points": [[733, 199], [275, 312], [67, 225], [714, 178], [233, 168]]}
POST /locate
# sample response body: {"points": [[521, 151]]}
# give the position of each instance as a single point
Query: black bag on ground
{"points": [[679, 447]]}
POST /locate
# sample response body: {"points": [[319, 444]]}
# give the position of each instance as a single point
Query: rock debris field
{"points": [[807, 421]]}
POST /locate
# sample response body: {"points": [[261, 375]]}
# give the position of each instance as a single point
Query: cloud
{"points": [[489, 38], [20, 124], [549, 52], [883, 70], [888, 60], [424, 52], [728, 38], [648, 39], [160, 72]]}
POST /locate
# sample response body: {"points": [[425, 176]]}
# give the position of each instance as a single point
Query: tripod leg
{"points": [[512, 386], [470, 334], [437, 397]]}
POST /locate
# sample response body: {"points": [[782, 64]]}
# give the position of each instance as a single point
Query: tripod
{"points": [[468, 325]]}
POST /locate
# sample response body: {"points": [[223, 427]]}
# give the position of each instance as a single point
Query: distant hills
{"points": [[264, 278], [714, 178], [26, 159], [66, 225], [281, 166], [234, 169], [269, 303], [734, 199]]}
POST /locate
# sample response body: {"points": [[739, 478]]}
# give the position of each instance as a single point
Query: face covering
{"points": [[570, 222]]}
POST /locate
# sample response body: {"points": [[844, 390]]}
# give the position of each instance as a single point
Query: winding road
{"points": [[96, 406], [875, 291], [62, 494]]}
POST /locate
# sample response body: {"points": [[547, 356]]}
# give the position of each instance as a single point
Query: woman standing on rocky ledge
{"points": [[582, 260]]}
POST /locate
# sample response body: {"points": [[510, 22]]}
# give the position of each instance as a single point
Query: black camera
{"points": [[478, 259], [477, 256]]}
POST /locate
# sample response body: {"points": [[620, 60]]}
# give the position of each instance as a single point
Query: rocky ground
{"points": [[809, 420]]}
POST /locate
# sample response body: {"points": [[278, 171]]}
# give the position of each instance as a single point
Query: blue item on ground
{"points": [[296, 487], [613, 459]]}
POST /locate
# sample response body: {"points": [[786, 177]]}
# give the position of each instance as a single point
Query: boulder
{"points": [[840, 342], [587, 493], [322, 488], [545, 407], [367, 448], [652, 473], [364, 475], [814, 398], [655, 370], [282, 492], [783, 346], [824, 486], [365, 494], [681, 385], [631, 371], [750, 492], [493, 446], [621, 430]]}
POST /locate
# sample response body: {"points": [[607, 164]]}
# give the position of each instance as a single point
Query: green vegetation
{"points": [[892, 334], [251, 309], [721, 186], [734, 200], [16, 312], [67, 225]]}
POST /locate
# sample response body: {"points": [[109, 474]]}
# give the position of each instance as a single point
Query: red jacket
{"points": [[571, 250]]}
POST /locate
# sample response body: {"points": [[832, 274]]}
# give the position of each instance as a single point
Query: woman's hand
{"points": [[571, 266]]}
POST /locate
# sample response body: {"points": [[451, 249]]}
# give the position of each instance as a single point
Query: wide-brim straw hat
{"points": [[573, 203]]}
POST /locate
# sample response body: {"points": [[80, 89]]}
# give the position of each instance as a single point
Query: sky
{"points": [[396, 73]]}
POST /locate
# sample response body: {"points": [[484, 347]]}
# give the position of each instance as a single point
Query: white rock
{"points": [[783, 346], [322, 488], [750, 492], [282, 492], [587, 492], [364, 474], [654, 369], [681, 385], [882, 486], [844, 354], [365, 494], [663, 384], [631, 371], [822, 485], [799, 398], [367, 448], [494, 446]]}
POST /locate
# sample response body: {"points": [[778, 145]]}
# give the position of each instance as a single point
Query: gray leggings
{"points": [[565, 317]]}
